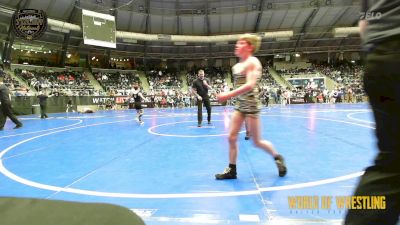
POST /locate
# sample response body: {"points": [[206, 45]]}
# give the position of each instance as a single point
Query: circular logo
{"points": [[29, 24]]}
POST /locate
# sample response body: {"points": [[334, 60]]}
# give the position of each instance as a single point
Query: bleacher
{"points": [[116, 82], [69, 83], [15, 87]]}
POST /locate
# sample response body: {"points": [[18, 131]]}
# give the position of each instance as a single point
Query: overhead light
{"points": [[345, 31], [282, 39], [60, 29], [7, 11], [297, 55], [279, 35], [180, 43], [93, 58], [127, 40], [164, 37], [222, 43]]}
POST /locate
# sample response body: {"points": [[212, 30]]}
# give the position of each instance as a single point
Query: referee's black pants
{"points": [[43, 111], [6, 111], [382, 84], [206, 102]]}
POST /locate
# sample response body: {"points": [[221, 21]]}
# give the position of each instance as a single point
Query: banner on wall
{"points": [[29, 24]]}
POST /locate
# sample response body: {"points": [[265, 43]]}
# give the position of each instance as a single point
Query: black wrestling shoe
{"points": [[247, 136], [18, 126], [199, 125], [227, 174], [280, 163]]}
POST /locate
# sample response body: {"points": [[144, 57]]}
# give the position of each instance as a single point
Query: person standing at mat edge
{"points": [[69, 106], [5, 107], [380, 35], [200, 89], [247, 74], [136, 99], [43, 104]]}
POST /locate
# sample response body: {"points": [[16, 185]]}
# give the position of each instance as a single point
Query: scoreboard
{"points": [[98, 29]]}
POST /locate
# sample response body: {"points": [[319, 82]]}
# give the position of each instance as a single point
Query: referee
{"points": [[200, 89], [5, 109], [380, 34]]}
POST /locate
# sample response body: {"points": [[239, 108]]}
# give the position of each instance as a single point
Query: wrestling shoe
{"points": [[228, 173], [247, 136], [280, 163], [18, 126]]}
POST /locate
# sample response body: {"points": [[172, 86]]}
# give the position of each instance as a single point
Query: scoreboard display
{"points": [[98, 29]]}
